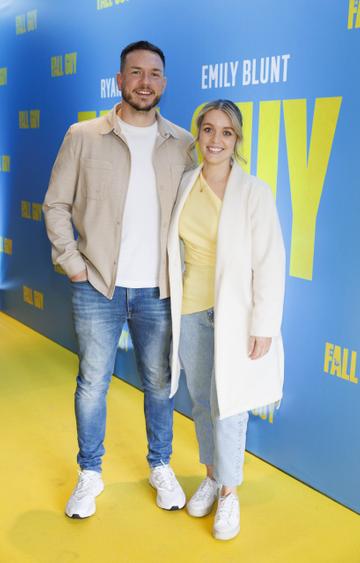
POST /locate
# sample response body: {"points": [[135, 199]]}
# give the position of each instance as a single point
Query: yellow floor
{"points": [[283, 521]]}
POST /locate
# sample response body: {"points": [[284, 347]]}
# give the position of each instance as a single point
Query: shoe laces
{"points": [[165, 477], [85, 482], [226, 506], [206, 489]]}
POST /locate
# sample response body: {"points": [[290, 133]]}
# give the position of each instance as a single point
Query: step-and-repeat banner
{"points": [[294, 71]]}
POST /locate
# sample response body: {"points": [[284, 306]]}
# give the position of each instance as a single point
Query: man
{"points": [[115, 179]]}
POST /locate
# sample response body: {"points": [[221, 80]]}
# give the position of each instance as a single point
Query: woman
{"points": [[226, 306]]}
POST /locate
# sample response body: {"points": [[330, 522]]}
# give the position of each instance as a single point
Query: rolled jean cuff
{"points": [[228, 482], [97, 469], [206, 460], [159, 463]]}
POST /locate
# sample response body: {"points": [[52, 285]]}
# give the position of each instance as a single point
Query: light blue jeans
{"points": [[221, 442], [98, 324]]}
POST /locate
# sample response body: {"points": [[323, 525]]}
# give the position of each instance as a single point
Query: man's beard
{"points": [[126, 96]]}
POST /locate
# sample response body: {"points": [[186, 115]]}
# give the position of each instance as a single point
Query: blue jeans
{"points": [[221, 442], [98, 324]]}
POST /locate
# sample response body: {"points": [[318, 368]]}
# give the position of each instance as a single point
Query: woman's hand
{"points": [[258, 346]]}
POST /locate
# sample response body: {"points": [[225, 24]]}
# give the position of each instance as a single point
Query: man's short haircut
{"points": [[140, 46]]}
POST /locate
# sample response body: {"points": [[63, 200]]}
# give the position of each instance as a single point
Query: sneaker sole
{"points": [[171, 508], [78, 517], [226, 535], [199, 513]]}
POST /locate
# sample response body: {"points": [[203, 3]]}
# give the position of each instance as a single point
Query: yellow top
{"points": [[198, 228]]}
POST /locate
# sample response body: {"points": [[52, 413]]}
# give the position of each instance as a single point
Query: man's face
{"points": [[142, 80]]}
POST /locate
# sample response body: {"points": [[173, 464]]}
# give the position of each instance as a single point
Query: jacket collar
{"points": [[111, 123]]}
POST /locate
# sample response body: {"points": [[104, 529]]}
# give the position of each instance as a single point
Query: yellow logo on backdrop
{"points": [[31, 210], [340, 362], [57, 66], [29, 119], [4, 163], [34, 119], [36, 211], [38, 299], [124, 340], [28, 295], [26, 22], [26, 209], [63, 64], [6, 245], [103, 4], [265, 413], [31, 20], [354, 14], [307, 166], [20, 22], [3, 76], [86, 115], [24, 119], [33, 297], [58, 269]]}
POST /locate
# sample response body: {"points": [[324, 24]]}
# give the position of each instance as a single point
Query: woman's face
{"points": [[217, 137]]}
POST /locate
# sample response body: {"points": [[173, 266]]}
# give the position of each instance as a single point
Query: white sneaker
{"points": [[81, 504], [203, 499], [170, 495], [227, 518]]}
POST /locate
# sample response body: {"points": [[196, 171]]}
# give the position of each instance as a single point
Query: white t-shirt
{"points": [[139, 257]]}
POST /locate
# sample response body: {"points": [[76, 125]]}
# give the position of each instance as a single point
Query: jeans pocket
{"points": [[78, 283], [79, 289]]}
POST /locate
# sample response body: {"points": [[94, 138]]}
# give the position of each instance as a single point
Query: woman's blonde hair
{"points": [[233, 113]]}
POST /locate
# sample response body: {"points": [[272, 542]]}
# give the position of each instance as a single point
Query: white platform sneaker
{"points": [[81, 504], [227, 518], [203, 499], [170, 495]]}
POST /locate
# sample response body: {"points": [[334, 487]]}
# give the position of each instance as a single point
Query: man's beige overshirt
{"points": [[88, 188]]}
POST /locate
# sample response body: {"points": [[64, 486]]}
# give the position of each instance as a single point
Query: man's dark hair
{"points": [[137, 46]]}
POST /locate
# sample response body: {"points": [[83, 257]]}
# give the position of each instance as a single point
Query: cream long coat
{"points": [[249, 292]]}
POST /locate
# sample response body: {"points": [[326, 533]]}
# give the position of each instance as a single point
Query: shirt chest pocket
{"points": [[96, 178]]}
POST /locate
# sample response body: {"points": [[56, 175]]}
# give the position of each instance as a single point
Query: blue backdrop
{"points": [[294, 72]]}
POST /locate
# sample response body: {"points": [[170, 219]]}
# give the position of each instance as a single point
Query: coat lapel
{"points": [[184, 190], [230, 218]]}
